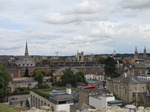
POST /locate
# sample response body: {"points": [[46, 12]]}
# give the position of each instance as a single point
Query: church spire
{"points": [[136, 53], [26, 50], [145, 53]]}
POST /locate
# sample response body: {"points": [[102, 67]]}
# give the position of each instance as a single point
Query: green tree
{"points": [[68, 77], [38, 75], [4, 80], [80, 76], [26, 72], [102, 60], [110, 67]]}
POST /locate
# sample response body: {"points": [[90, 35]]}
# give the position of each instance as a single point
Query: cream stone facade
{"points": [[126, 87]]}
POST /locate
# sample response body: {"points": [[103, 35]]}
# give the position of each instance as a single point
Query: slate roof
{"points": [[63, 69], [133, 79]]}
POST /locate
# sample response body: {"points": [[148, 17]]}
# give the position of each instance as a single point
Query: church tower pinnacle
{"points": [[145, 53], [136, 53], [26, 50]]}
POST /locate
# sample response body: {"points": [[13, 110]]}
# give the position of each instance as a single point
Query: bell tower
{"points": [[145, 53], [136, 53], [26, 50]]}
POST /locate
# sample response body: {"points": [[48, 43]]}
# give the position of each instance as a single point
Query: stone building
{"points": [[58, 100], [125, 86], [84, 95], [80, 57], [13, 69]]}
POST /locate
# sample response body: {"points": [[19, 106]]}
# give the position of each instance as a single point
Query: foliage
{"points": [[4, 80], [21, 92], [42, 86], [38, 75], [68, 77], [110, 67], [26, 72], [102, 60], [80, 77]]}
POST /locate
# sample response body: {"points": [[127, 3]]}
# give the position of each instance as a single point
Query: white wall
{"points": [[95, 102], [64, 107], [100, 102]]}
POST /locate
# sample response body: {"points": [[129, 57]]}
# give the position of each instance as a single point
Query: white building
{"points": [[58, 100], [100, 102], [92, 76], [25, 63]]}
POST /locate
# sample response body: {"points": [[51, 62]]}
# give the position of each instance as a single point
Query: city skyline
{"points": [[68, 26]]}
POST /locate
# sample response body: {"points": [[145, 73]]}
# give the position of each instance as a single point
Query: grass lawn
{"points": [[8, 108]]}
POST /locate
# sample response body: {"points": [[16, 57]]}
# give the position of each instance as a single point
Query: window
{"points": [[125, 91], [135, 89], [143, 89]]}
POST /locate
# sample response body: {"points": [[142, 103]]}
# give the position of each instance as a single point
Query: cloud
{"points": [[57, 18], [86, 10], [88, 7], [135, 4]]}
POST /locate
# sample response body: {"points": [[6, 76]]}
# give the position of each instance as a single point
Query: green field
{"points": [[8, 108]]}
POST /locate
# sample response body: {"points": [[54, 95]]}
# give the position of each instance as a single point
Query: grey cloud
{"points": [[71, 18], [9, 48], [135, 4]]}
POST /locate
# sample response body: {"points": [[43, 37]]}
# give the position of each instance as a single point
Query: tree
{"points": [[38, 75], [26, 72], [4, 80], [110, 67], [102, 60], [68, 77], [80, 76]]}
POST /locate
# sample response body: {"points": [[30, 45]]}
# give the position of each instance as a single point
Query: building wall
{"points": [[94, 76], [18, 97], [125, 90], [65, 107], [30, 85], [38, 101], [83, 97], [100, 102]]}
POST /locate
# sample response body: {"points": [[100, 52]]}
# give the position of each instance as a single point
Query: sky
{"points": [[71, 26]]}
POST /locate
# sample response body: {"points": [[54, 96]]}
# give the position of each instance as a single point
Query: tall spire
{"points": [[26, 50], [136, 53], [145, 53]]}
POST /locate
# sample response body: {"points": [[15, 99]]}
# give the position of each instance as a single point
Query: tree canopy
{"points": [[4, 80], [68, 77], [110, 67], [80, 76], [38, 75], [26, 74]]}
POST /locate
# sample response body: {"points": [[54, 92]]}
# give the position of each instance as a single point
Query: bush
{"points": [[42, 86]]}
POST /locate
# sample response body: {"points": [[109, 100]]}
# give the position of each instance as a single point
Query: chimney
{"points": [[68, 88]]}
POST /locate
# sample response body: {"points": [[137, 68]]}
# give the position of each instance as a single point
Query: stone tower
{"points": [[80, 57], [26, 50], [136, 53], [145, 53]]}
